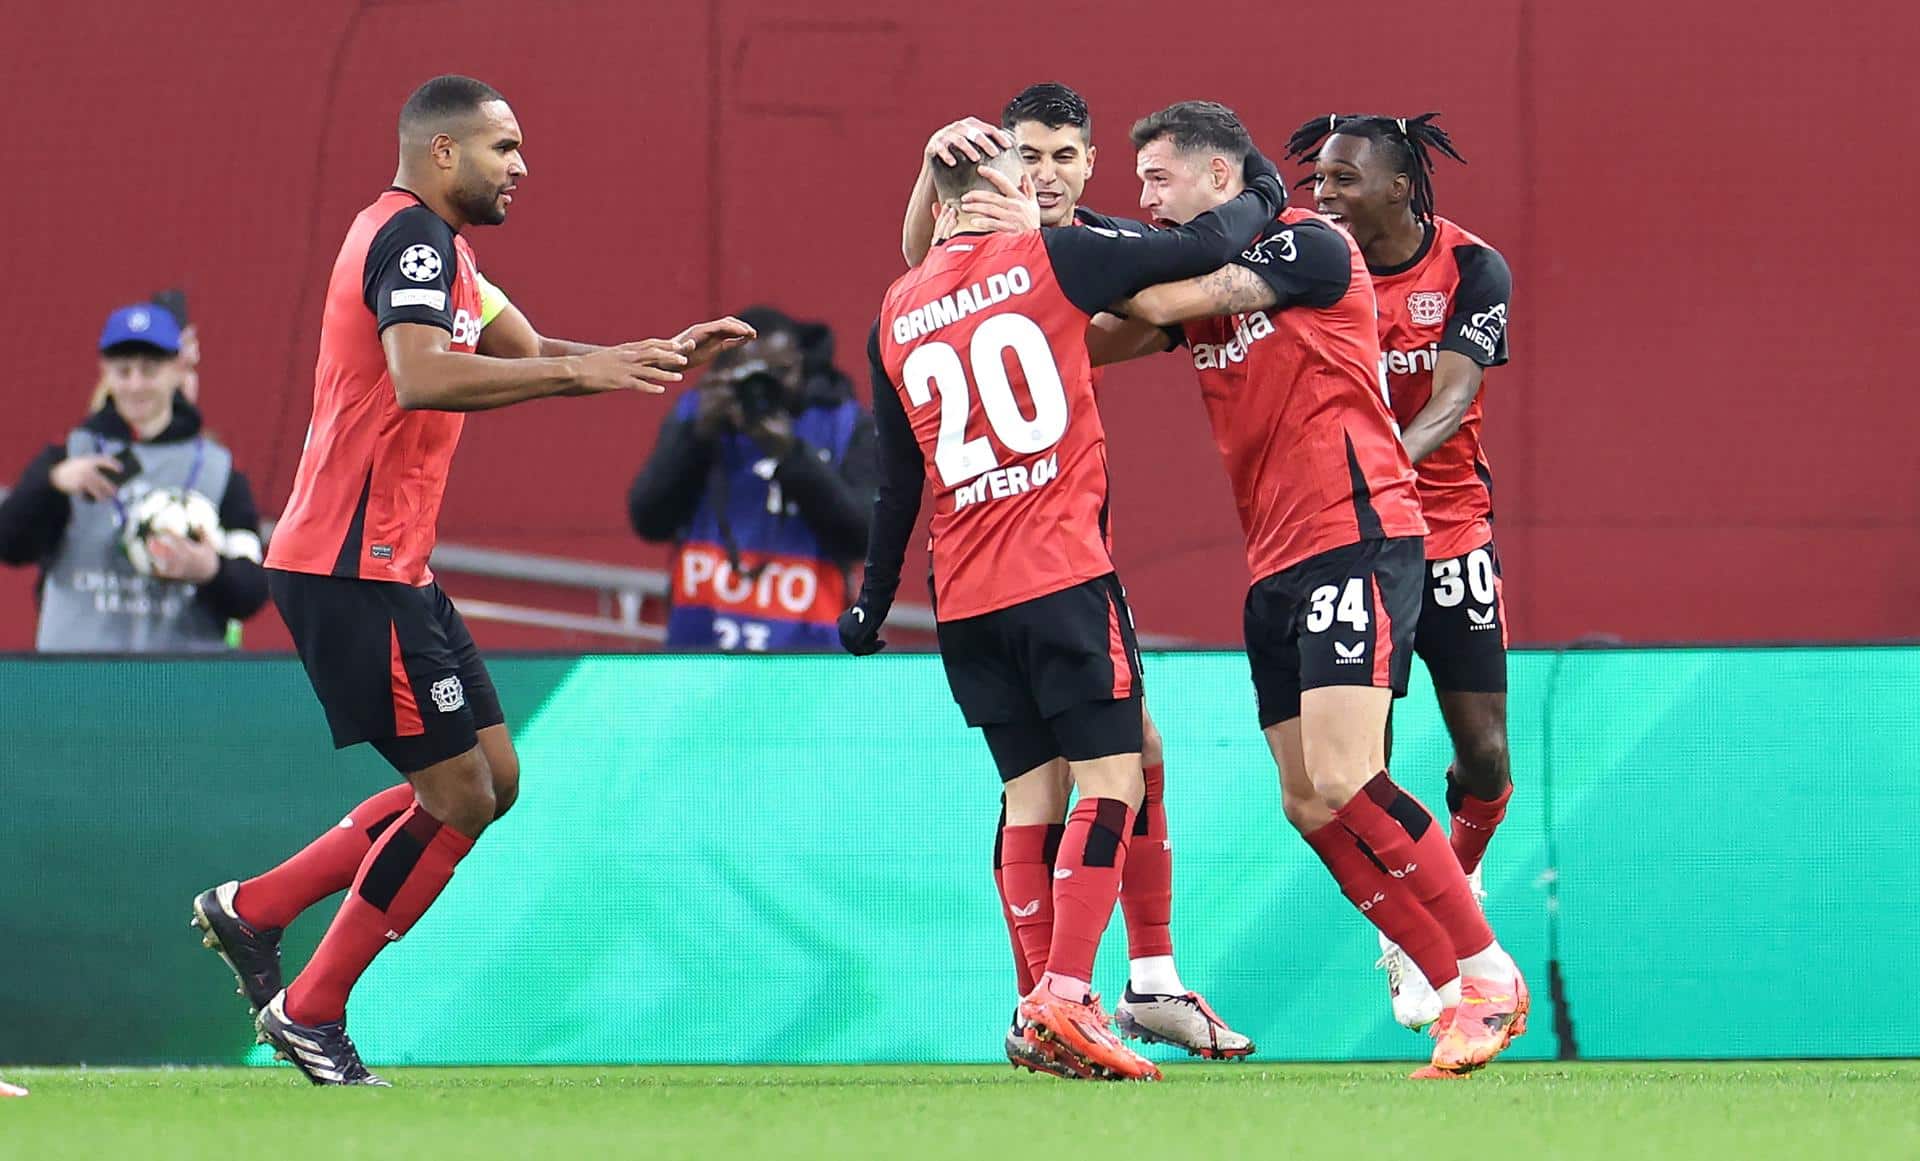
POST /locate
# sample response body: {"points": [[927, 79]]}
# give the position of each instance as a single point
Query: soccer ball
{"points": [[183, 513]]}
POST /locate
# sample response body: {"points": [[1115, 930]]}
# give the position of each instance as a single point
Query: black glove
{"points": [[1263, 178], [860, 627]]}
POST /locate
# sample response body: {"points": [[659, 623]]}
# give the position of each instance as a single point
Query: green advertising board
{"points": [[786, 859]]}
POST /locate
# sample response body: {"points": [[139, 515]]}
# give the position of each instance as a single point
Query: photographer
{"points": [[762, 478], [146, 537]]}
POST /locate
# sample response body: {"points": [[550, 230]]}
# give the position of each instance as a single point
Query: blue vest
{"points": [[788, 594]]}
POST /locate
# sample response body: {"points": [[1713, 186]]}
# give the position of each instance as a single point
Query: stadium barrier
{"points": [[785, 859]]}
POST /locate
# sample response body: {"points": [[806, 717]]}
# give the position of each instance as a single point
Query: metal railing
{"points": [[622, 593]]}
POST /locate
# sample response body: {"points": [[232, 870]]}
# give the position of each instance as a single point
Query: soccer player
{"points": [[1443, 321], [1284, 343], [411, 338], [1051, 129], [982, 384]]}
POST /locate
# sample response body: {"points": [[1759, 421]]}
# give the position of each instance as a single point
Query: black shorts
{"points": [[392, 664], [1033, 662], [1343, 617], [1462, 635]]}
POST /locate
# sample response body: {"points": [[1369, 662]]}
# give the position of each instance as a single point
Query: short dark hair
{"points": [[1407, 143], [443, 99], [1206, 126], [1051, 104], [951, 181]]}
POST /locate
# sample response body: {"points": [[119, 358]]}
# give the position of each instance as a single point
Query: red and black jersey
{"points": [[982, 385], [1450, 296], [367, 496], [1293, 392]]}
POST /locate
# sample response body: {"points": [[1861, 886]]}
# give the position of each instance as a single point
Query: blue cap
{"points": [[143, 323]]}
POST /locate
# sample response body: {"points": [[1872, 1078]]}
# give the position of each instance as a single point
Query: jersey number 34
{"points": [[938, 366]]}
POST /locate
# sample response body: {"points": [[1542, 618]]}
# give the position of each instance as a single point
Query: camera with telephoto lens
{"points": [[759, 392]]}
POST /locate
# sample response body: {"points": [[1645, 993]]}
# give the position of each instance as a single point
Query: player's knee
{"points": [[1481, 766], [459, 793], [1307, 812]]}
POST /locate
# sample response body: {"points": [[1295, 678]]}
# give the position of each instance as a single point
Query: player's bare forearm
{"points": [[1456, 380], [511, 335], [1112, 339], [428, 375], [916, 235], [1228, 290], [456, 381]]}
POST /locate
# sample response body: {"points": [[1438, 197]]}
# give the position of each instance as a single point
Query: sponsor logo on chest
{"points": [[1415, 362], [1248, 329]]}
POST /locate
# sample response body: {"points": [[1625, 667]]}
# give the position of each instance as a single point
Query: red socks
{"points": [[1386, 902], [1403, 836], [1086, 881], [1025, 878], [326, 865], [1146, 892], [399, 879], [1474, 821]]}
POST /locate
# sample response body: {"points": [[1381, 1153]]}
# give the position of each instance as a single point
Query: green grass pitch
{"points": [[1858, 1111]]}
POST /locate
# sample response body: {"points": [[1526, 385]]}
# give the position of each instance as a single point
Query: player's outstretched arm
{"points": [[968, 137], [1305, 263], [1228, 290], [509, 334], [704, 340], [1098, 268], [428, 375]]}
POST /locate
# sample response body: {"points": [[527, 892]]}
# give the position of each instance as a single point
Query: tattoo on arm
{"points": [[1235, 289]]}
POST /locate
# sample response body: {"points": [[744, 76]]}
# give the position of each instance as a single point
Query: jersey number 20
{"points": [[937, 365]]}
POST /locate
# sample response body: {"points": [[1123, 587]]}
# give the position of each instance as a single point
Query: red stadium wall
{"points": [[1705, 433]]}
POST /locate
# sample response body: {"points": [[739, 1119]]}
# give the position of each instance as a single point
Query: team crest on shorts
{"points": [[447, 694], [1427, 307]]}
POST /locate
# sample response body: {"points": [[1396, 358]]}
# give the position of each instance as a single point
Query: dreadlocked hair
{"points": [[1409, 144]]}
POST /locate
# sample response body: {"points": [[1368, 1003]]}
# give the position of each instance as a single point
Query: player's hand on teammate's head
{"points": [[1006, 207], [707, 339], [946, 223], [860, 630], [1263, 177], [646, 366], [969, 139]]}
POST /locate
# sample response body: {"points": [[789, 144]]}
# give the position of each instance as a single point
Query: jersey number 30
{"points": [[937, 365]]}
